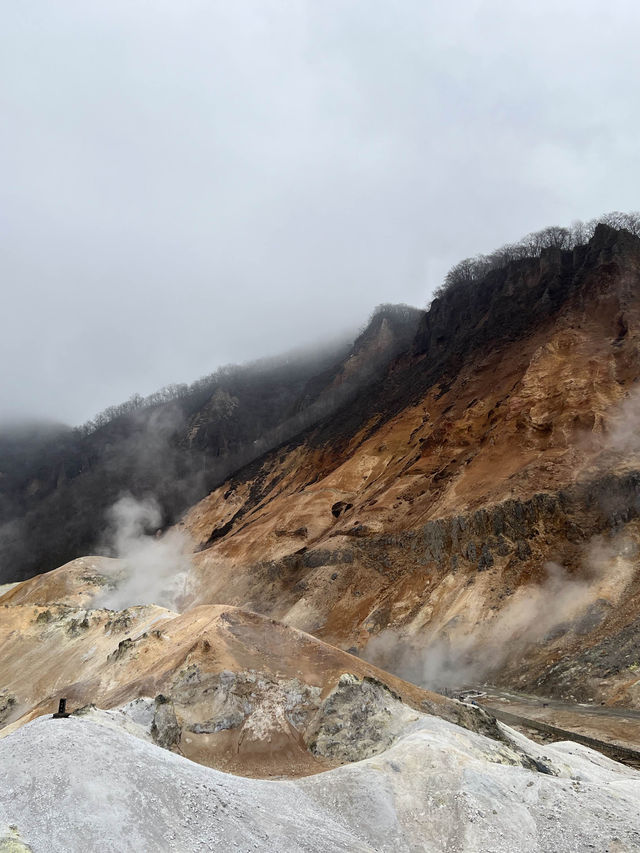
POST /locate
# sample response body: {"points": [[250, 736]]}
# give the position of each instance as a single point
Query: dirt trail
{"points": [[612, 725]]}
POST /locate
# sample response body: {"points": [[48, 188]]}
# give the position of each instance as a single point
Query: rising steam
{"points": [[463, 653], [460, 655], [624, 433], [153, 568]]}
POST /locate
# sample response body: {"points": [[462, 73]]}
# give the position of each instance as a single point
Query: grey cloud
{"points": [[188, 184]]}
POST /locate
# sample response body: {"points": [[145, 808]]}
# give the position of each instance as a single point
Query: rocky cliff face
{"points": [[479, 504]]}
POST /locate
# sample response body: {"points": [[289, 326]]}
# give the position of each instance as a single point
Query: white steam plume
{"points": [[463, 655], [154, 568], [624, 428]]}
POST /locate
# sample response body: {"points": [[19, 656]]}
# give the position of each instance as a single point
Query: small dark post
{"points": [[62, 710]]}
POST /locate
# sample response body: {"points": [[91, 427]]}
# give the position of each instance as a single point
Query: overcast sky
{"points": [[186, 184]]}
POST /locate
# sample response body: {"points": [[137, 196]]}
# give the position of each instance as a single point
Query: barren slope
{"points": [[233, 690], [432, 506]]}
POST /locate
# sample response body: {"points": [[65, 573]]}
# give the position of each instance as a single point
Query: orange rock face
{"points": [[350, 538]]}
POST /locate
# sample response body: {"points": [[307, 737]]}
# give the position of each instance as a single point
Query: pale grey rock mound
{"points": [[165, 729], [135, 717], [255, 701], [74, 785], [358, 719]]}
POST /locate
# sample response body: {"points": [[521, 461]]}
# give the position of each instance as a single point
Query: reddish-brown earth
{"points": [[436, 522]]}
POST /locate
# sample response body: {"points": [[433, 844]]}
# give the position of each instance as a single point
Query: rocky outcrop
{"points": [[165, 729], [7, 704], [509, 302], [358, 719]]}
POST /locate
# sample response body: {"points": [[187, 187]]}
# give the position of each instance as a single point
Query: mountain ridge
{"points": [[53, 505], [432, 499], [335, 532]]}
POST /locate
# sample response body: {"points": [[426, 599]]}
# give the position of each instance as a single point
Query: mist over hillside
{"points": [[180, 442], [175, 445]]}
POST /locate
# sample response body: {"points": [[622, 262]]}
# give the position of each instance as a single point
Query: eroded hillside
{"points": [[224, 687], [472, 514], [57, 484], [480, 503]]}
